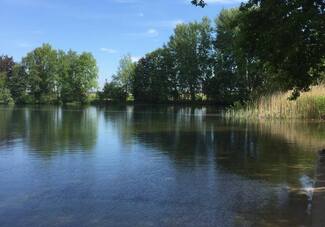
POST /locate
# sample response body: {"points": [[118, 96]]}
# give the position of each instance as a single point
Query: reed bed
{"points": [[310, 105]]}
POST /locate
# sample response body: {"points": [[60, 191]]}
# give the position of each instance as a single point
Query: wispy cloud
{"points": [[150, 33], [135, 58], [108, 50], [169, 24]]}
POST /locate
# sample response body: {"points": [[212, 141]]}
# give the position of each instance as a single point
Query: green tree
{"points": [[77, 76], [83, 74], [288, 37], [125, 73], [41, 70], [191, 48], [237, 74], [18, 84], [5, 96], [7, 65], [66, 75], [112, 91], [154, 79]]}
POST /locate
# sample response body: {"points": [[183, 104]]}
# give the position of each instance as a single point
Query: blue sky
{"points": [[107, 28]]}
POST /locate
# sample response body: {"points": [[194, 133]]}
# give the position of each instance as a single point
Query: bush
{"points": [[5, 96], [113, 92]]}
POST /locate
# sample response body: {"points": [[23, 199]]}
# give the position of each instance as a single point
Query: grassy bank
{"points": [[310, 105]]}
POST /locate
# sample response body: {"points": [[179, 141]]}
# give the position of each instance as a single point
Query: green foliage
{"points": [[262, 47], [41, 71], [113, 92], [288, 37], [7, 65], [154, 79], [78, 76], [5, 96], [122, 85], [47, 75], [18, 85], [265, 46], [191, 47], [125, 73]]}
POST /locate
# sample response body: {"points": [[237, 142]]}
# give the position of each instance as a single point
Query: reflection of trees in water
{"points": [[163, 128], [254, 151], [52, 129], [247, 151], [309, 135], [12, 124], [186, 134]]}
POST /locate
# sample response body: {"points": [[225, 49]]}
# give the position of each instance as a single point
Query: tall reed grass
{"points": [[310, 105]]}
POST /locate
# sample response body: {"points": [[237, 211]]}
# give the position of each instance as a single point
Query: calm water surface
{"points": [[153, 166]]}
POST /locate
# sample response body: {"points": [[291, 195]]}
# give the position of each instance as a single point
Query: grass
{"points": [[310, 105]]}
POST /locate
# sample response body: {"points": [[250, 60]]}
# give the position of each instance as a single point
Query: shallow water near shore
{"points": [[153, 166]]}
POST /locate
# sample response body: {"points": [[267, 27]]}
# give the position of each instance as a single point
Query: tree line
{"points": [[261, 47], [47, 75]]}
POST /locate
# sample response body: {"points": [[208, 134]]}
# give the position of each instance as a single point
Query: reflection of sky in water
{"points": [[145, 166]]}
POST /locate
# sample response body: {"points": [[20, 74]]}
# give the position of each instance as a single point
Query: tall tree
{"points": [[154, 79], [18, 84], [41, 68], [125, 73], [190, 47], [84, 74], [5, 96], [77, 76], [7, 65], [288, 36]]}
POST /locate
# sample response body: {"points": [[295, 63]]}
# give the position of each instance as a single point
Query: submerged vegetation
{"points": [[310, 105]]}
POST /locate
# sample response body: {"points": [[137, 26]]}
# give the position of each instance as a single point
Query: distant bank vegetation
{"points": [[255, 50], [246, 53], [46, 75]]}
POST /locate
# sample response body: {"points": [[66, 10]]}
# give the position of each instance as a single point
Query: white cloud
{"points": [[152, 32], [135, 58], [165, 23], [108, 50]]}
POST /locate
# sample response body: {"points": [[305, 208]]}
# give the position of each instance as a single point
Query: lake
{"points": [[153, 166]]}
